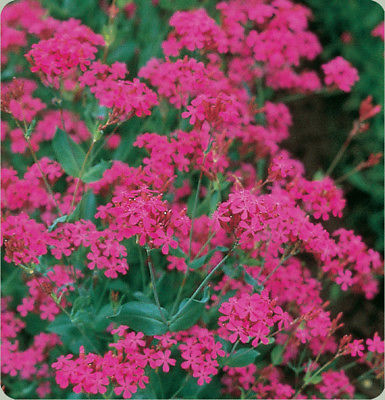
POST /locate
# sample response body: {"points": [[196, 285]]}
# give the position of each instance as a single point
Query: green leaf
{"points": [[313, 380], [319, 175], [190, 314], [56, 221], [198, 262], [241, 358], [100, 322], [143, 317], [68, 333], [30, 129], [69, 154], [61, 325], [175, 5], [276, 355], [253, 282], [85, 209], [226, 345], [214, 200], [96, 172], [178, 253], [81, 308]]}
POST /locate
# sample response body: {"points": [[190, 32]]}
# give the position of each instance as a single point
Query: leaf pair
{"points": [[71, 157], [146, 317]]}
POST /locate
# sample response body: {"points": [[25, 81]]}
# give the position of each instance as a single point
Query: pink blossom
{"points": [[339, 72], [356, 348], [345, 279], [375, 345]]}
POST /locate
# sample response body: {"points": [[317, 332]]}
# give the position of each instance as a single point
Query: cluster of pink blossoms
{"points": [[16, 99], [46, 129], [340, 72], [200, 352], [124, 97], [72, 46], [143, 213], [378, 31], [194, 30], [251, 317], [29, 363], [39, 300], [125, 366]]}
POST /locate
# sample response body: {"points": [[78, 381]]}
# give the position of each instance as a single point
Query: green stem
{"points": [[341, 151], [103, 142], [47, 185], [283, 259], [155, 292], [338, 156], [234, 348], [347, 366], [205, 245], [142, 269], [347, 175], [81, 175], [180, 290], [102, 295], [183, 384], [77, 326], [179, 294], [193, 214], [315, 374], [204, 282], [264, 260]]}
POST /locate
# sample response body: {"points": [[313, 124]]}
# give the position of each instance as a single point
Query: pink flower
{"points": [[125, 386], [194, 30], [163, 359], [250, 316], [378, 31], [375, 345], [345, 279], [200, 351], [335, 384], [341, 73], [165, 240], [72, 46], [356, 348]]}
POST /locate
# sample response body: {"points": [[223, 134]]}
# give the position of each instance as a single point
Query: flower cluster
{"points": [[124, 97], [340, 72], [40, 290], [16, 99], [72, 46], [200, 351], [106, 253], [251, 317], [91, 373], [29, 193], [31, 362], [143, 213], [194, 30], [24, 239]]}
